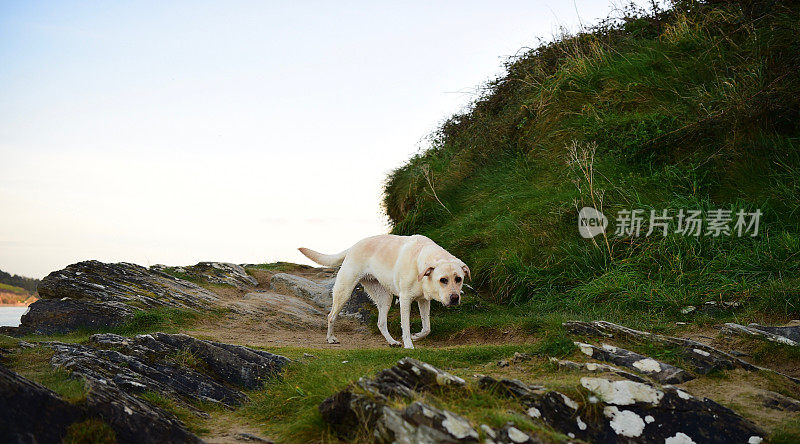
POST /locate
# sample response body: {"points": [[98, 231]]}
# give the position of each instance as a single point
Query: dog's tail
{"points": [[328, 260]]}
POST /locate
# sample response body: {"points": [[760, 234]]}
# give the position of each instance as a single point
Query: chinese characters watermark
{"points": [[637, 222]]}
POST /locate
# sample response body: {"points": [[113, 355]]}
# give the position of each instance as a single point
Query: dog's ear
{"points": [[427, 272], [466, 271]]}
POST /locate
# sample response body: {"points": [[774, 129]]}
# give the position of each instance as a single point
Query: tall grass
{"points": [[695, 107]]}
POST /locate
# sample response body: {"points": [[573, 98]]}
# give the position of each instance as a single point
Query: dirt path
{"points": [[264, 316]]}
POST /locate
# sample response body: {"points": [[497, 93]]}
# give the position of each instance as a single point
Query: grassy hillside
{"points": [[693, 108], [25, 283]]}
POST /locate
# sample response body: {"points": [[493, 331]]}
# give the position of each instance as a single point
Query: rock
{"points": [[703, 358], [406, 377], [631, 412], [423, 423], [508, 434], [123, 282], [660, 371], [250, 437], [223, 273], [389, 410], [294, 308], [417, 422], [133, 420], [304, 288], [596, 368], [711, 307], [782, 335], [31, 413], [776, 401], [502, 363], [358, 306], [51, 316], [521, 357], [176, 365], [640, 412]]}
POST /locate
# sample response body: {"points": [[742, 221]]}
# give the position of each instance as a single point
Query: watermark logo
{"points": [[591, 222], [637, 222]]}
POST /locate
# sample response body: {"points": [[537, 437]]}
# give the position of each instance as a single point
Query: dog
{"points": [[413, 268]]}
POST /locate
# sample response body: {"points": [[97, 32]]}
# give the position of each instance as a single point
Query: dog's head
{"points": [[443, 279]]}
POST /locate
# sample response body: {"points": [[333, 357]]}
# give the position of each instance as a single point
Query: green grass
{"points": [[34, 364], [287, 407], [91, 431], [13, 289], [688, 109]]}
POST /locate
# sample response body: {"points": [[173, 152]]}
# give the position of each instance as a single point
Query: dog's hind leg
{"points": [[383, 299], [342, 289]]}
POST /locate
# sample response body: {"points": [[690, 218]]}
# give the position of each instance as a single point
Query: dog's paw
{"points": [[395, 344], [418, 336], [409, 346], [333, 340]]}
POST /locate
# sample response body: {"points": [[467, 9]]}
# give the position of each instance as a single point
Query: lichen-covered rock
{"points": [[614, 411], [508, 434], [350, 412], [791, 331], [123, 282], [30, 413], [223, 273], [638, 412], [406, 377], [177, 365], [423, 423], [595, 367], [631, 412], [660, 371], [780, 335], [51, 316], [703, 358]]}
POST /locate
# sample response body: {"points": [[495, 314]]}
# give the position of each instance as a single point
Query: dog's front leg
{"points": [[425, 314], [405, 320]]}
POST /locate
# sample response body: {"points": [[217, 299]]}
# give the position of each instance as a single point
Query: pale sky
{"points": [[174, 132]]}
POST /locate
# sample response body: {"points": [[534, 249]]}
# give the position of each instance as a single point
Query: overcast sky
{"points": [[174, 132]]}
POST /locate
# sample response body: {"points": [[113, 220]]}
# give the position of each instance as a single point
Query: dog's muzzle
{"points": [[454, 299]]}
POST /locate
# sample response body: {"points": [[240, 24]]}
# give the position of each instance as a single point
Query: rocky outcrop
{"points": [[371, 413], [95, 295], [123, 282], [390, 408], [701, 357], [51, 316], [173, 364], [789, 335], [220, 273], [660, 371], [319, 292], [31, 413]]}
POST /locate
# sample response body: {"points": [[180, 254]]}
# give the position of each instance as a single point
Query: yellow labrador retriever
{"points": [[412, 267]]}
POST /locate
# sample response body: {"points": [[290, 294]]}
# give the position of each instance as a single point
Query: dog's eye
{"points": [[458, 279], [443, 280]]}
